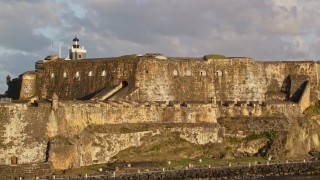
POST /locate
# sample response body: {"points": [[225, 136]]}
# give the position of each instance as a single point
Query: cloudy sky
{"points": [[261, 29]]}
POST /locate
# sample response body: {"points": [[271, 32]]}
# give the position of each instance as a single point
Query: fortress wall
{"points": [[77, 83], [314, 88], [23, 133], [71, 118], [98, 145], [174, 80], [28, 85], [243, 79], [298, 72], [234, 79], [26, 130], [269, 110], [304, 102], [238, 79]]}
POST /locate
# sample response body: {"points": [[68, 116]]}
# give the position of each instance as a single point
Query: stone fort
{"points": [[63, 98]]}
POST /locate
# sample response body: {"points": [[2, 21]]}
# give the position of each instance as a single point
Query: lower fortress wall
{"points": [[76, 116], [64, 133], [234, 109], [98, 147], [36, 133]]}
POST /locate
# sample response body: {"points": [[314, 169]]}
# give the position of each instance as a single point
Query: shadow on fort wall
{"points": [[91, 95], [297, 95], [286, 87]]}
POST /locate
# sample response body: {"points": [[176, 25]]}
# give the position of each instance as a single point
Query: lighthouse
{"points": [[75, 51]]}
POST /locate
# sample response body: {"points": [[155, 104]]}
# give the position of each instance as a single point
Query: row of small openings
{"points": [[202, 73], [77, 74]]}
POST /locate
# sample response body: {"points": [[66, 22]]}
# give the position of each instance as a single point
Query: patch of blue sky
{"points": [[9, 52], [309, 38], [78, 10], [48, 32], [75, 6]]}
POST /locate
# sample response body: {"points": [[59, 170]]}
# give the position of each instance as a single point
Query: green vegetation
{"points": [[92, 169], [168, 126], [128, 56], [253, 136], [266, 134], [234, 140], [312, 110], [214, 56], [154, 149], [214, 162]]}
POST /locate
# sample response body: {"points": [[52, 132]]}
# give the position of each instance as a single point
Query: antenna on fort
{"points": [[51, 48], [59, 50]]}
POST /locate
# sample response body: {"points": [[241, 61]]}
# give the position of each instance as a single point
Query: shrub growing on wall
{"points": [[214, 56]]}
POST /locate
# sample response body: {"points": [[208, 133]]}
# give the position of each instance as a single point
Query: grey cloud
{"points": [[262, 29]]}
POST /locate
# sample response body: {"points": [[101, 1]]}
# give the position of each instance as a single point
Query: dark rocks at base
{"points": [[236, 172], [315, 154]]}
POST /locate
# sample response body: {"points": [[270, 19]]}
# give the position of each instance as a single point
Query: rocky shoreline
{"points": [[236, 172]]}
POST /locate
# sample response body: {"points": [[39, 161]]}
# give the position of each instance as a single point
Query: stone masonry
{"points": [[62, 99]]}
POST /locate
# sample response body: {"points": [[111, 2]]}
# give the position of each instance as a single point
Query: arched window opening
{"points": [[90, 73], [64, 74], [52, 75], [175, 72], [77, 74], [203, 73], [219, 73], [103, 73], [188, 72], [80, 56]]}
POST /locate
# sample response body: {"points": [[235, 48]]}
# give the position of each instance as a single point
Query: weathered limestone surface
{"points": [[98, 144], [302, 137], [72, 117], [304, 101], [156, 91], [27, 129], [28, 85], [179, 79], [23, 133], [258, 110], [92, 148], [72, 81], [200, 135]]}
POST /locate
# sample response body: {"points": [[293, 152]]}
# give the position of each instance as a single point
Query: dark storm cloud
{"points": [[262, 29]]}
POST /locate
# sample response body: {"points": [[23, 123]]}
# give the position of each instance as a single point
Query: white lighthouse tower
{"points": [[75, 51]]}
